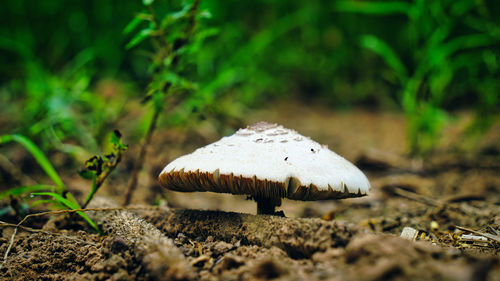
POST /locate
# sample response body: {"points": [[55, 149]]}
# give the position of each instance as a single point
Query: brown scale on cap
{"points": [[261, 126]]}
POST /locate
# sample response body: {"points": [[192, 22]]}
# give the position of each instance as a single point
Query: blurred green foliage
{"points": [[425, 57], [451, 49], [175, 35]]}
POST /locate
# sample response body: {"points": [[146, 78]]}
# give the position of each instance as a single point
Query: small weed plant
{"points": [[96, 168], [173, 37]]}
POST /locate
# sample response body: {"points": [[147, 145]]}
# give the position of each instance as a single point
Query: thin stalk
{"points": [[267, 206], [142, 155]]}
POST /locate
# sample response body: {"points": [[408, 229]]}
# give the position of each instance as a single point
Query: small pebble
{"points": [[409, 233]]}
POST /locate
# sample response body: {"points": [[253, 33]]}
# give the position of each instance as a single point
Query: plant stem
{"points": [[100, 180], [142, 155]]}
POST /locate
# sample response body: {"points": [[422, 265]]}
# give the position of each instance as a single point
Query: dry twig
{"points": [[495, 238]]}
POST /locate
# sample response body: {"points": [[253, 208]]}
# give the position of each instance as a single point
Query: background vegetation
{"points": [[67, 74]]}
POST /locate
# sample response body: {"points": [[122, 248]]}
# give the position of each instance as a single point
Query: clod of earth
{"points": [[268, 162], [155, 252]]}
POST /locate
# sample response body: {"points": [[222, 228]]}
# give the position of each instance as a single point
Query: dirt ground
{"points": [[166, 236]]}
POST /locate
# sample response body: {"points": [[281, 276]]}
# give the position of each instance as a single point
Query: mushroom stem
{"points": [[266, 206]]}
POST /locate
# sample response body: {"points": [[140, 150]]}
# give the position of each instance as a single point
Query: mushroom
{"points": [[267, 162]]}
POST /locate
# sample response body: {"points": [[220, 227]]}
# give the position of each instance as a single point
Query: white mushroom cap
{"points": [[270, 161]]}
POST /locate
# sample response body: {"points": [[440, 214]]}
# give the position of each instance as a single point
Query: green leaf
{"points": [[175, 16], [204, 14], [16, 47], [86, 174], [25, 189], [205, 33], [43, 201], [116, 140], [116, 137], [71, 205], [199, 38], [147, 2], [138, 38], [378, 46], [176, 80], [39, 157], [59, 198], [132, 25], [372, 7], [458, 44]]}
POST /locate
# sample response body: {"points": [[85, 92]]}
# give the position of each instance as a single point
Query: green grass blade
{"points": [[61, 199], [138, 38], [42, 201], [38, 155], [71, 205], [381, 48], [25, 189], [459, 44], [132, 25]]}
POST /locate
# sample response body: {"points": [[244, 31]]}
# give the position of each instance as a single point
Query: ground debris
{"points": [[409, 233], [493, 237], [384, 257]]}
